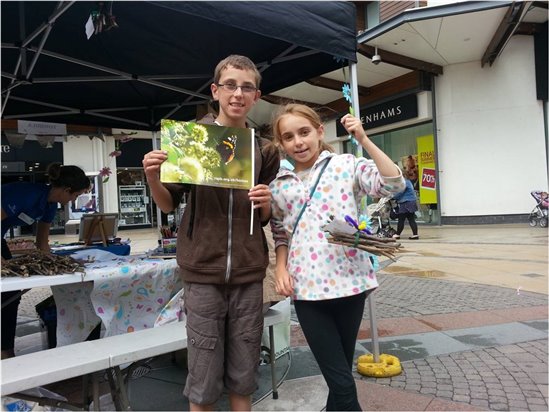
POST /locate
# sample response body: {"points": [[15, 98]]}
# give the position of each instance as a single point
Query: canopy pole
{"points": [[158, 210], [354, 96], [371, 302]]}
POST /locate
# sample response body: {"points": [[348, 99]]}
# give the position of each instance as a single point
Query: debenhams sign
{"points": [[386, 113]]}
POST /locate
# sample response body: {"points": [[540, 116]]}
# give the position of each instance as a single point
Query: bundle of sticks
{"points": [[38, 262], [342, 234]]}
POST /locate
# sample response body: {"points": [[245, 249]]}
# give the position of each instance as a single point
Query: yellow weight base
{"points": [[387, 366]]}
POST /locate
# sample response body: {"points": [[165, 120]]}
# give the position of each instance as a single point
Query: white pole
{"points": [[158, 210], [354, 96], [371, 302]]}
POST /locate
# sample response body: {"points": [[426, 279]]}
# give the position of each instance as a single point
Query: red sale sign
{"points": [[428, 179]]}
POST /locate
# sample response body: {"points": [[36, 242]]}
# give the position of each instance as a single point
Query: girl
{"points": [[328, 283], [25, 203]]}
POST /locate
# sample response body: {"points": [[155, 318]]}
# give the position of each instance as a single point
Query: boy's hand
{"points": [[151, 164], [261, 196], [353, 126], [284, 283]]}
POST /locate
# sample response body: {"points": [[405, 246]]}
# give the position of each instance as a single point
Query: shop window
{"points": [[400, 145]]}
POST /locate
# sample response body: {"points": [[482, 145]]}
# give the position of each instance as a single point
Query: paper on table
{"points": [[96, 255]]}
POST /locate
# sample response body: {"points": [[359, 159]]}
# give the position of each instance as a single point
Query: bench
{"points": [[53, 365]]}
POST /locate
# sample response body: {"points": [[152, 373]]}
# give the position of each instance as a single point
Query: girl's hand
{"points": [[151, 164], [284, 284], [261, 196], [353, 126]]}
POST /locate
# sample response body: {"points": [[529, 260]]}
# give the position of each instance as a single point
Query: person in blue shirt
{"points": [[407, 207], [24, 203]]}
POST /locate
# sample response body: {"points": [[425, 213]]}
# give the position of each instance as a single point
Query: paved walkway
{"points": [[464, 309]]}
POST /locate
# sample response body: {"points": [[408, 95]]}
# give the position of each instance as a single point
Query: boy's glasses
{"points": [[231, 87]]}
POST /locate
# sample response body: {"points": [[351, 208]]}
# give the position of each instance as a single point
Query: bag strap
{"points": [[311, 194]]}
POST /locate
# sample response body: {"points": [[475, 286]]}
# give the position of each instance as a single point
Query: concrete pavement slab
{"points": [[395, 327], [303, 363], [378, 397], [481, 318], [496, 335], [301, 394], [462, 320], [527, 313], [538, 324], [418, 346]]}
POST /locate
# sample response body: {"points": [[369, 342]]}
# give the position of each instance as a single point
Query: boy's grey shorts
{"points": [[224, 328]]}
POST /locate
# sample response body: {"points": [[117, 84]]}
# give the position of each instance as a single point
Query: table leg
{"points": [[273, 360], [95, 391], [118, 389], [86, 390], [12, 298]]}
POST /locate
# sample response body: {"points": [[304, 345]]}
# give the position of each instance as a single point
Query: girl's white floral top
{"points": [[322, 270]]}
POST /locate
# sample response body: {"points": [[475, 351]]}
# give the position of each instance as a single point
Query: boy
{"points": [[223, 266]]}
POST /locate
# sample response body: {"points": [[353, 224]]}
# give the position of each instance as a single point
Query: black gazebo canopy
{"points": [[158, 63]]}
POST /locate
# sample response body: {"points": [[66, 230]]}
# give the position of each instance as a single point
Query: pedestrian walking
{"points": [[407, 208]]}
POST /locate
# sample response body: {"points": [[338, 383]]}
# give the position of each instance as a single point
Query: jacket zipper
{"points": [[229, 236]]}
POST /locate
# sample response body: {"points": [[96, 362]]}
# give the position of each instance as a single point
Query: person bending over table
{"points": [[24, 203]]}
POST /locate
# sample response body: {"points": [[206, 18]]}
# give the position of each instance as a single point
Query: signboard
{"points": [[428, 179], [426, 164], [207, 155], [394, 111], [32, 127]]}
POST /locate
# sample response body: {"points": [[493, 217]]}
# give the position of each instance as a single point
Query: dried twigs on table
{"points": [[38, 262]]}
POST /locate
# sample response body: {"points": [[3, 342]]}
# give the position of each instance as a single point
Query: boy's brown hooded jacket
{"points": [[213, 242]]}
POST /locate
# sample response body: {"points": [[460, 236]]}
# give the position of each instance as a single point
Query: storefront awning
{"points": [[429, 38]]}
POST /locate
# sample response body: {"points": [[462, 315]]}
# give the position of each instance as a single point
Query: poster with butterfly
{"points": [[207, 155]]}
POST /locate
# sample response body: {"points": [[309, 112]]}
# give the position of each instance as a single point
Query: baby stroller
{"points": [[539, 213], [379, 213]]}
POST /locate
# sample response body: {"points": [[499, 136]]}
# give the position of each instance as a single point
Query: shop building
{"points": [[456, 89], [479, 134]]}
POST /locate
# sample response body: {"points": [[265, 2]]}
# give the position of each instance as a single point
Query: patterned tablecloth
{"points": [[125, 293]]}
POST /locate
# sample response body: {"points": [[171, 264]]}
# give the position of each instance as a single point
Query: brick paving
{"points": [[402, 296], [498, 378], [506, 377]]}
